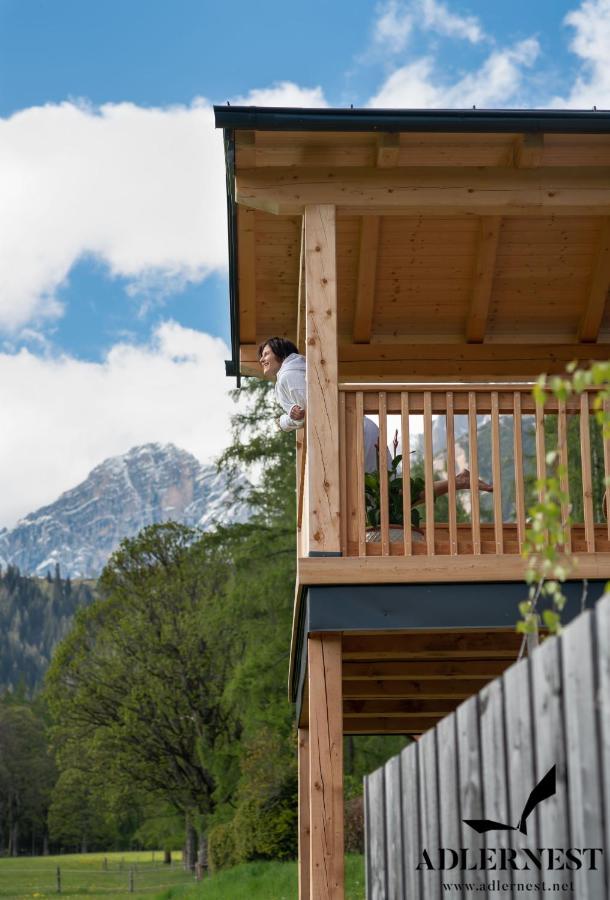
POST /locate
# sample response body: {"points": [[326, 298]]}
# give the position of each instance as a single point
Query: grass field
{"points": [[84, 875]]}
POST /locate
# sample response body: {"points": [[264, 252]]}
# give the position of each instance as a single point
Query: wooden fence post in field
{"points": [[58, 874], [131, 879]]}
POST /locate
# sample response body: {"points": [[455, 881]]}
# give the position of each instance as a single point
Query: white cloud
{"points": [[63, 416], [396, 22], [283, 93], [438, 17], [497, 82], [393, 26], [591, 42], [143, 190]]}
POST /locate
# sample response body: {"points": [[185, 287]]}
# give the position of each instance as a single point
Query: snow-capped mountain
{"points": [[148, 484]]}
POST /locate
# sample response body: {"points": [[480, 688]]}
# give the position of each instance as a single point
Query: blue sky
{"points": [[112, 240]]}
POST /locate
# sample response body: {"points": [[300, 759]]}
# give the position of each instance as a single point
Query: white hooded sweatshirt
{"points": [[291, 389]]}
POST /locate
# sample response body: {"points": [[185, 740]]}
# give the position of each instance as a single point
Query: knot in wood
{"points": [[317, 248], [316, 535], [325, 281], [311, 341], [326, 485]]}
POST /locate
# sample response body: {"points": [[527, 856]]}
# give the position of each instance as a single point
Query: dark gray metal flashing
{"points": [[399, 607], [325, 553], [555, 121]]}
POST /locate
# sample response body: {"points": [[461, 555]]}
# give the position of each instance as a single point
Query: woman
{"points": [[280, 358]]}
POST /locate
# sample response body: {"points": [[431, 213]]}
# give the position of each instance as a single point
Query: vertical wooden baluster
{"points": [[607, 465], [452, 499], [406, 472], [474, 472], [342, 475], [540, 449], [587, 479], [496, 471], [429, 472], [383, 473], [519, 480], [562, 443], [360, 512]]}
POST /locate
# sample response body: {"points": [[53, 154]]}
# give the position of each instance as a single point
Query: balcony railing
{"points": [[498, 434]]}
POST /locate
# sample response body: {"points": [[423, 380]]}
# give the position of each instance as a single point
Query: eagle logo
{"points": [[545, 788]]}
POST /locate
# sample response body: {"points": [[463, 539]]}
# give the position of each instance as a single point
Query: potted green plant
{"points": [[372, 499]]}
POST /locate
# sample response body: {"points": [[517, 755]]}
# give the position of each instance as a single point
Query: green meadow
{"points": [[87, 875]]}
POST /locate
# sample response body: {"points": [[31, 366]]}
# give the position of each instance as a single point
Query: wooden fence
{"points": [[515, 434], [482, 762]]}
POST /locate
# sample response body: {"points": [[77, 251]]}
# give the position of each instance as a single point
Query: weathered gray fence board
{"points": [[394, 849], [449, 801], [493, 760], [377, 888], [549, 738], [410, 820], [471, 792], [584, 782], [428, 809], [602, 696], [519, 748], [484, 760]]}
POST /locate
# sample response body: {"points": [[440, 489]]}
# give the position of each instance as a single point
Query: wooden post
{"points": [[58, 876], [326, 767], [304, 823], [322, 374]]}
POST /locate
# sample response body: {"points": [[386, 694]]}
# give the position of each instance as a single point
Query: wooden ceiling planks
{"points": [[537, 277]]}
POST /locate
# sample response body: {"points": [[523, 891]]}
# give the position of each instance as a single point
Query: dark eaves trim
{"points": [[232, 365], [260, 118]]}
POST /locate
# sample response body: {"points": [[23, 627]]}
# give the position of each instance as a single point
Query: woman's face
{"points": [[270, 364]]}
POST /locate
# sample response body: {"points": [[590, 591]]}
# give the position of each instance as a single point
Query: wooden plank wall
{"points": [[482, 762]]}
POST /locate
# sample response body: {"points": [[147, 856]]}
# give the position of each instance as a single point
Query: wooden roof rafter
{"points": [[598, 291], [487, 248]]}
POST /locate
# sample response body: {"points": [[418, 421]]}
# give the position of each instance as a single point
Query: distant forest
{"points": [[36, 614]]}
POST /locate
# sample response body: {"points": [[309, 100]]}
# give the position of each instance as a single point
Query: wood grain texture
{"points": [[322, 420], [452, 498], [429, 808], [361, 519], [519, 479], [304, 820], [448, 791], [383, 480], [598, 289], [470, 783], [602, 676], [496, 469], [482, 282], [443, 192], [246, 225], [394, 841], [388, 150], [376, 873], [406, 471], [326, 766], [529, 150], [582, 749], [367, 268], [473, 460], [587, 476], [409, 771], [562, 444]]}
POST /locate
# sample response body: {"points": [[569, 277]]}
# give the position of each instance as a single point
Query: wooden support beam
{"points": [[367, 270], [388, 150], [423, 670], [301, 303], [427, 191], [246, 274], [322, 377], [325, 767], [448, 362], [485, 266], [432, 645], [598, 289], [413, 690], [528, 151], [399, 707], [304, 820], [380, 725]]}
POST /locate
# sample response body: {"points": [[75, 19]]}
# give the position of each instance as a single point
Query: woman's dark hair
{"points": [[280, 347]]}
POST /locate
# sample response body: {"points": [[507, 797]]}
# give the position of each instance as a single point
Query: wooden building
{"points": [[430, 264]]}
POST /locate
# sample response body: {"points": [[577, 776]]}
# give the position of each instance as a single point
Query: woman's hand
{"points": [[297, 413]]}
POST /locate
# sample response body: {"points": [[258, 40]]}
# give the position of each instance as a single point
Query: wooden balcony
{"points": [[497, 433]]}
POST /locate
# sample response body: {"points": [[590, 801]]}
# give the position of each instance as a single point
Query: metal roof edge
{"points": [[267, 118]]}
